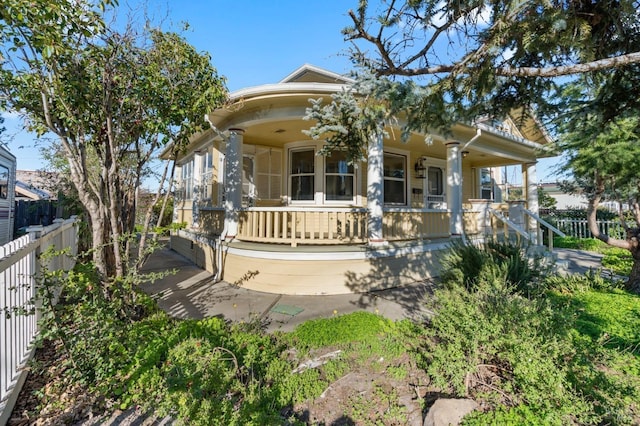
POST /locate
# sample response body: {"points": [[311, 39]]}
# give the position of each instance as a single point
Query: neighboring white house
{"points": [[564, 201]]}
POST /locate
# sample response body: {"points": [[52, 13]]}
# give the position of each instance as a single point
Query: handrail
{"points": [[510, 224], [545, 223]]}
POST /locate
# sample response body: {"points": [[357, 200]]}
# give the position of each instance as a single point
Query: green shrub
{"points": [[590, 280], [472, 265], [206, 372], [502, 348]]}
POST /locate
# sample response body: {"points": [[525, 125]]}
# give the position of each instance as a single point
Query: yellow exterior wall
{"points": [[313, 276], [201, 254], [468, 183]]}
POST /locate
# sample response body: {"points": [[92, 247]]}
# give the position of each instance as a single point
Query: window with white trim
{"points": [[302, 174], [206, 180], [339, 177], [486, 184], [268, 173], [395, 181], [248, 181], [187, 180]]}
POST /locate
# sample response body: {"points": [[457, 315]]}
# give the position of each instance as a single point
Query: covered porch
{"points": [[253, 193]]}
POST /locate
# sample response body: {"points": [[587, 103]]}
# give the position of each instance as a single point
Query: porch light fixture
{"points": [[464, 154], [420, 168]]}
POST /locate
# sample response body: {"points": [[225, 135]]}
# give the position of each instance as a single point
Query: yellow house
{"points": [[264, 211]]}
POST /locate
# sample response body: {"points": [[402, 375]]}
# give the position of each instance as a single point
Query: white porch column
{"points": [[531, 179], [454, 186], [197, 187], [233, 182], [375, 191]]}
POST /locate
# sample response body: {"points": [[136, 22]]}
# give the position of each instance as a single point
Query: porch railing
{"points": [[19, 268], [415, 224], [303, 226], [501, 224], [336, 225]]}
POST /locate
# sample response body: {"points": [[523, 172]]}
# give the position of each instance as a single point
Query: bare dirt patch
{"points": [[376, 393]]}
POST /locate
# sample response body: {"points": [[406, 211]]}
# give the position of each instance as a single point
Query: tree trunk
{"points": [[633, 283]]}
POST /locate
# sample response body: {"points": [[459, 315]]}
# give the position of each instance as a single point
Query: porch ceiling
{"points": [[277, 133]]}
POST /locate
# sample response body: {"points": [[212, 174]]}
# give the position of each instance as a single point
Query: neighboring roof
{"points": [[34, 185], [24, 190], [308, 73], [530, 126]]}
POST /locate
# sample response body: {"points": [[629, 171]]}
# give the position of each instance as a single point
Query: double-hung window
{"points": [[339, 177], [486, 184], [302, 176], [395, 181], [206, 180], [187, 179]]}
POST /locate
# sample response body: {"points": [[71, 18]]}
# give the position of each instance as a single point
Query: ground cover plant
{"points": [[530, 349], [618, 260]]}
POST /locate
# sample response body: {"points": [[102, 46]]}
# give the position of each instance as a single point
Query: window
{"points": [[4, 182], [339, 178], [486, 184], [302, 166], [268, 173], [187, 180], [395, 185], [435, 181], [207, 176], [248, 183]]}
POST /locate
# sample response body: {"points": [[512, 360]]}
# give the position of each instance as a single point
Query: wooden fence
{"points": [[19, 268]]}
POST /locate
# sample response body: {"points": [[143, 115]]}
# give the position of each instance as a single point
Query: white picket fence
{"points": [[579, 228], [19, 269]]}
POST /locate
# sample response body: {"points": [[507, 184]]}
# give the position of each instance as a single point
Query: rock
{"points": [[446, 412]]}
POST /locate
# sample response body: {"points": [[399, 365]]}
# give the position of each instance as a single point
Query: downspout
{"points": [[218, 275]]}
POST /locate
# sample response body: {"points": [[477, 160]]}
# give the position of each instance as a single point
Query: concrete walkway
{"points": [[191, 293]]}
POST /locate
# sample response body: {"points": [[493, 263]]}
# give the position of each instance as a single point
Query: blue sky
{"points": [[251, 42]]}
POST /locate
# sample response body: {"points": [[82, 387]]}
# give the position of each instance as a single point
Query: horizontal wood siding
{"points": [[470, 221]]}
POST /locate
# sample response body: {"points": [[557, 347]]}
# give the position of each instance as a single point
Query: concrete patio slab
{"points": [[191, 292]]}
